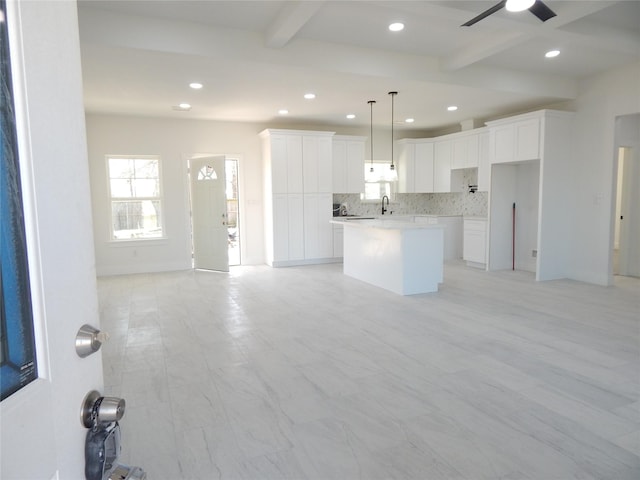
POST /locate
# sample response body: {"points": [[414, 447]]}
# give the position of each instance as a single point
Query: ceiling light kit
{"points": [[393, 173], [537, 7], [371, 171]]}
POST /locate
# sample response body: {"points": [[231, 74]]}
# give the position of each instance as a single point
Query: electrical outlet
{"points": [[534, 253]]}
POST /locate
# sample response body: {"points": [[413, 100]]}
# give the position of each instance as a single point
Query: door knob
{"points": [[89, 340], [97, 409]]}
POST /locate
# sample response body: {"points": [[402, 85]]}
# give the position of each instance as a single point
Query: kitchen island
{"points": [[398, 255]]}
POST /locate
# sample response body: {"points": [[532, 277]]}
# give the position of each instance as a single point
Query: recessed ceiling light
{"points": [[409, 120], [519, 5], [452, 108], [351, 116], [182, 107], [552, 53], [396, 27], [309, 96], [185, 106], [195, 85], [283, 111]]}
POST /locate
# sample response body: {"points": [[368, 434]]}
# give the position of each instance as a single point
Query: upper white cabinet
{"points": [[515, 140], [484, 162], [317, 164], [285, 163], [348, 164], [415, 166], [465, 151], [443, 153]]}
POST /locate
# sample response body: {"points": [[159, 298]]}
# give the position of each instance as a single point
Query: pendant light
{"points": [[393, 174], [371, 174]]}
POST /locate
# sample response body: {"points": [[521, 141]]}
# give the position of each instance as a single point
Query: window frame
{"points": [[381, 182], [111, 199]]}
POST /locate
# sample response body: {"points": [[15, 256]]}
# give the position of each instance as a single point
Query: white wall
{"points": [[173, 141], [600, 100]]}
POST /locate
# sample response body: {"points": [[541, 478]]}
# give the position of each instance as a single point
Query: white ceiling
{"points": [[255, 57]]}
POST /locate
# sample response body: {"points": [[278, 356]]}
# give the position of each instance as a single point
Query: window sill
{"points": [[138, 241]]}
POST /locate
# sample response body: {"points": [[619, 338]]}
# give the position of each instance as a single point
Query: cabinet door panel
{"points": [[324, 165], [355, 167], [294, 164], [310, 163], [460, 153], [442, 166], [406, 168], [339, 173], [424, 168], [503, 146], [527, 134], [484, 164], [473, 151], [280, 228], [279, 166], [296, 227]]}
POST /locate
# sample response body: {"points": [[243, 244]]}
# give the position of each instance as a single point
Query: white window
{"points": [[136, 202], [377, 184]]}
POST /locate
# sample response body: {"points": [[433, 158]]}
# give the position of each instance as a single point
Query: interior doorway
{"points": [[625, 255], [215, 226]]}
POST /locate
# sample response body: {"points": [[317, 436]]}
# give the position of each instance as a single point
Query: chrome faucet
{"points": [[384, 209]]}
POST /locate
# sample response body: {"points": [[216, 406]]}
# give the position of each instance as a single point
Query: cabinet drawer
{"points": [[475, 225]]}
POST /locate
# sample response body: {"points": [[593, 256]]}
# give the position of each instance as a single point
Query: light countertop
{"points": [[386, 223]]}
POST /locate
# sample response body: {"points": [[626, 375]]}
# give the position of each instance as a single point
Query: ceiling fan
{"points": [[537, 7]]}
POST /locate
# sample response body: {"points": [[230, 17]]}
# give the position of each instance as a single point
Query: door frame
{"points": [[186, 157]]}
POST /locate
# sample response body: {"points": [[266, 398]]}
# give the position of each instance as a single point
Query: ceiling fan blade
{"points": [[541, 11], [486, 13]]}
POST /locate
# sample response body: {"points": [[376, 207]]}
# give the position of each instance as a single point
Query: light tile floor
{"points": [[304, 373]]}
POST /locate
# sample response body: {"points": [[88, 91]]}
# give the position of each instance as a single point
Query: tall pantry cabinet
{"points": [[297, 197]]}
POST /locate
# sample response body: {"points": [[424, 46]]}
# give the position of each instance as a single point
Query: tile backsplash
{"points": [[464, 203], [457, 203]]}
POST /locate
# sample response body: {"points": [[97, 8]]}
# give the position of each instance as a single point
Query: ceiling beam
{"points": [[293, 16]]}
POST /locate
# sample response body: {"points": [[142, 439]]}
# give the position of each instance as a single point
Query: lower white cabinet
{"points": [[452, 232], [288, 228], [338, 241], [318, 232], [475, 242], [301, 233]]}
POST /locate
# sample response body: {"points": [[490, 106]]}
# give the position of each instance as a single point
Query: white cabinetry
{"points": [[530, 156], [297, 193], [515, 141], [348, 164], [318, 232], [475, 242], [452, 232], [465, 151], [338, 241], [415, 166], [443, 153], [317, 164], [484, 163]]}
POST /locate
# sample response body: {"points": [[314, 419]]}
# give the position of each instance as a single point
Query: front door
{"points": [[41, 433], [209, 213]]}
